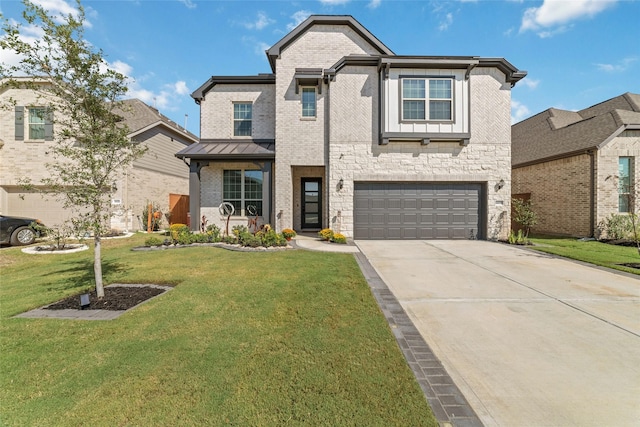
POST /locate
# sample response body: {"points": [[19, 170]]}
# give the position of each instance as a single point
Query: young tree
{"points": [[524, 215], [82, 95]]}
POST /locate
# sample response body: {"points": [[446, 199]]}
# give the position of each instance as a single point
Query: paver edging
{"points": [[447, 402]]}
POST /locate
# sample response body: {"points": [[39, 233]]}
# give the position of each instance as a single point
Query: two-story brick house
{"points": [[345, 134], [26, 139]]}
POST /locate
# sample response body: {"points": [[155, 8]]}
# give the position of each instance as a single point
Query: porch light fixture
{"points": [[500, 184], [84, 301], [340, 184]]}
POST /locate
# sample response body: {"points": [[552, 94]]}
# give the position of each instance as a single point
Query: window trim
{"points": [[626, 194], [243, 199], [234, 120], [315, 102], [22, 123], [426, 99]]}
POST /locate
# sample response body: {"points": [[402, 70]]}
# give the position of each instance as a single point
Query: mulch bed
{"points": [[115, 298]]}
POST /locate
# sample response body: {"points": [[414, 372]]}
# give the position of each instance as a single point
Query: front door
{"points": [[311, 203]]}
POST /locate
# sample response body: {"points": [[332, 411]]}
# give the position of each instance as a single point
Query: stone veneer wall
{"points": [[356, 156]]}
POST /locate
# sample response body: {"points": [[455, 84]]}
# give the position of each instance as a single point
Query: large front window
{"points": [[625, 184], [243, 189], [242, 115], [418, 103]]}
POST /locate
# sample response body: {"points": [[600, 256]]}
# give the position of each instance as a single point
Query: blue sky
{"points": [[577, 52]]}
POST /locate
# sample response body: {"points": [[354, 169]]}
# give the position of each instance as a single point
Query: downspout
{"points": [[592, 185]]}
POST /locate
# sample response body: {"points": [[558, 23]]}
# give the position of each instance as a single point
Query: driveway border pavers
{"points": [[448, 404]]}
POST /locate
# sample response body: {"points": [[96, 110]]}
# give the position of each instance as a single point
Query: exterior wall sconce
{"points": [[500, 184], [340, 184]]}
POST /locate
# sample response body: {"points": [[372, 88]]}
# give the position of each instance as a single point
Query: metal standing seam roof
{"points": [[225, 149], [557, 133]]}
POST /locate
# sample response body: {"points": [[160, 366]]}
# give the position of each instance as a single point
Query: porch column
{"points": [[267, 192], [194, 193]]}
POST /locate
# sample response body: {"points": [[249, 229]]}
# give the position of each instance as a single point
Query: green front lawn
{"points": [[593, 252], [261, 339]]}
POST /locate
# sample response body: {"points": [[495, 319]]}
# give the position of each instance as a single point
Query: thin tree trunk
{"points": [[97, 266]]}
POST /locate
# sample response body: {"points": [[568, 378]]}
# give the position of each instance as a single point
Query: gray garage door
{"points": [[417, 210]]}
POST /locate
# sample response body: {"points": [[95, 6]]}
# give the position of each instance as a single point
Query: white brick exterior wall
{"points": [[342, 142]]}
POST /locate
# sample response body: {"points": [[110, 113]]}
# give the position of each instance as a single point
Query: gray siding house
{"points": [[345, 134]]}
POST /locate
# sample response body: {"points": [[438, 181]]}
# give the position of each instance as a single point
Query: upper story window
{"points": [[242, 116], [308, 102], [625, 184], [427, 97], [36, 123]]}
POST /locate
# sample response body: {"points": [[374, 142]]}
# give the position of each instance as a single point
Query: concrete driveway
{"points": [[529, 339]]}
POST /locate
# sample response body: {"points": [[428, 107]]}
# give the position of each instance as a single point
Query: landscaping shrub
{"points": [[325, 234], [617, 227], [288, 233], [271, 238], [153, 241], [214, 232], [339, 238]]}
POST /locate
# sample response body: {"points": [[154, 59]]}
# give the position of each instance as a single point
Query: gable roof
{"points": [[140, 117], [556, 133], [274, 52]]}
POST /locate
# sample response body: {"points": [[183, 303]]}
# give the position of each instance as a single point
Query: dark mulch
{"points": [[115, 298], [632, 265]]}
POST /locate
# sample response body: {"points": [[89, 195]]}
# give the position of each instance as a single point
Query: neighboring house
{"points": [[347, 135], [26, 137], [578, 168]]}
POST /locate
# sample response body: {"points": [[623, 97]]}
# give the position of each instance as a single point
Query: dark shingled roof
{"points": [[556, 133], [139, 117], [230, 149]]}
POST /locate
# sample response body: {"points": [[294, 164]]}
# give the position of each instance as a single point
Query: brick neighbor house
{"points": [[25, 140], [345, 134], [578, 167]]}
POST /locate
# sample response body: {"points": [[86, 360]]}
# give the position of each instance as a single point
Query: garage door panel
{"points": [[417, 210]]}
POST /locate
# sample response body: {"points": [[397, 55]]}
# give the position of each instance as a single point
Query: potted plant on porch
{"points": [[288, 233]]}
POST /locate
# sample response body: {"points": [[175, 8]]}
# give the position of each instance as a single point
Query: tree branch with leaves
{"points": [[83, 96]]}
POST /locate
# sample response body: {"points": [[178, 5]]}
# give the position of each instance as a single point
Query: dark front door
{"points": [[311, 203]]}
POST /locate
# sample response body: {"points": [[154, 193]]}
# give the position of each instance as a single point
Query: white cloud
{"points": [[555, 15], [621, 66], [448, 20], [60, 9], [373, 4], [261, 22], [298, 18], [530, 83], [188, 3], [519, 111], [334, 2], [181, 88]]}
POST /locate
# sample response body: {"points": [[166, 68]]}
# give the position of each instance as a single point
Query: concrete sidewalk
{"points": [[530, 339]]}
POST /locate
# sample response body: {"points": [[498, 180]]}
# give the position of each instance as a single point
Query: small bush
{"points": [[231, 240], [617, 227], [271, 238], [238, 230], [325, 234], [177, 229], [153, 241], [214, 232], [339, 238]]}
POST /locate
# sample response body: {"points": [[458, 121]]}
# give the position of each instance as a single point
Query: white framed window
{"points": [[242, 118], [427, 99], [243, 189], [33, 123], [309, 102], [625, 184]]}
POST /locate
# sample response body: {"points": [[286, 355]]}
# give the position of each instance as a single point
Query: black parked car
{"points": [[17, 231]]}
